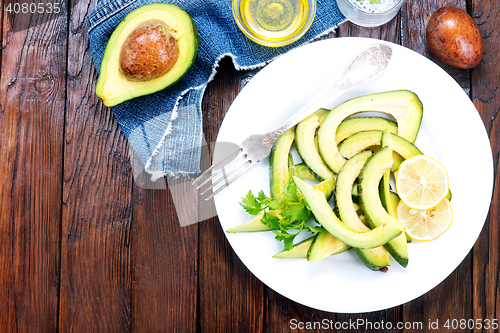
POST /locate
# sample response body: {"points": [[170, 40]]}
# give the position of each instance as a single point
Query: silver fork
{"points": [[256, 147]]}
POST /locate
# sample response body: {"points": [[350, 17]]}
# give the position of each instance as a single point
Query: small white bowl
{"points": [[364, 14]]}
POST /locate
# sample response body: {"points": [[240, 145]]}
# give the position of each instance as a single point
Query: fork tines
{"points": [[224, 172]]}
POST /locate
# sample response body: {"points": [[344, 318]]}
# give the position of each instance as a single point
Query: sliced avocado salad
{"points": [[339, 191]]}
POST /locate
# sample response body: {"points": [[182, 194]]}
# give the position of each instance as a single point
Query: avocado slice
{"points": [[325, 245], [304, 172], [255, 224], [376, 258], [385, 186], [374, 212], [403, 105], [299, 250], [389, 199], [302, 249], [327, 187], [150, 50], [325, 216], [354, 125], [279, 174], [360, 141], [305, 143]]}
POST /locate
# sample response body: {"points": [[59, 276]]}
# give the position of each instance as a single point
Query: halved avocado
{"points": [[150, 50], [375, 258], [374, 212], [325, 216], [403, 105]]}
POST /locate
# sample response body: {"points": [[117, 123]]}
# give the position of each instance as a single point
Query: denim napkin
{"points": [[165, 129]]}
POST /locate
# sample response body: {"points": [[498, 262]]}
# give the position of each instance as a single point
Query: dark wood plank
{"points": [[164, 264], [486, 98], [164, 254], [32, 100], [97, 209], [231, 298], [452, 298]]}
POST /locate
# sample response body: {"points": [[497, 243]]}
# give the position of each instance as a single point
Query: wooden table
{"points": [[83, 249]]}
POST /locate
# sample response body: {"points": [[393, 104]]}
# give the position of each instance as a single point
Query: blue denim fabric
{"points": [[165, 128]]}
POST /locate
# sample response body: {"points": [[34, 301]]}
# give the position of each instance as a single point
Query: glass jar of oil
{"points": [[274, 22]]}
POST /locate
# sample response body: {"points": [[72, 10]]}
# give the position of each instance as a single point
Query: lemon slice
{"points": [[421, 182], [425, 225]]}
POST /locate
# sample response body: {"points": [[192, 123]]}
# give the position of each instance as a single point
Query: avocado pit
{"points": [[149, 52]]}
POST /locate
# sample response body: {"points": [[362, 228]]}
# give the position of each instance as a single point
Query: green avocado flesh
{"points": [[403, 105], [115, 85], [325, 245], [385, 187], [373, 210], [279, 174], [354, 125], [375, 258], [364, 140], [304, 172], [304, 141], [297, 251], [325, 216]]}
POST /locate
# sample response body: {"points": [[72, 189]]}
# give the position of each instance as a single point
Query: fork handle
{"points": [[368, 64]]}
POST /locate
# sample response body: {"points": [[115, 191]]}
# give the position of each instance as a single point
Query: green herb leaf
{"points": [[277, 203], [296, 212], [291, 192], [286, 238], [271, 221], [315, 229], [251, 204], [263, 198]]}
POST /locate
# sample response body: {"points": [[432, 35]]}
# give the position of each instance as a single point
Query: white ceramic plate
{"points": [[451, 131]]}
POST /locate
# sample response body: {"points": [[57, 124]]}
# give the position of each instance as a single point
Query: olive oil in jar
{"points": [[274, 20]]}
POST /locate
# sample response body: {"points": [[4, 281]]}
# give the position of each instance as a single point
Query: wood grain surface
{"points": [[84, 248]]}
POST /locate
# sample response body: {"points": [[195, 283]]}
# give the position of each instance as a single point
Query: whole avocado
{"points": [[454, 38], [150, 50]]}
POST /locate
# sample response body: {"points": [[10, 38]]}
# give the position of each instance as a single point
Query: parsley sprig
{"points": [[293, 213]]}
